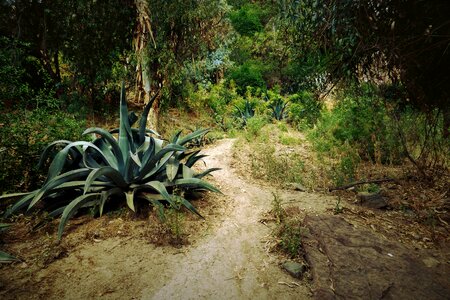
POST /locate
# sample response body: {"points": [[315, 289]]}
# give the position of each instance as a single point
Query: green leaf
{"points": [[143, 121], [155, 201], [57, 212], [188, 205], [206, 172], [193, 159], [6, 258], [125, 135], [135, 131], [151, 163], [196, 184], [21, 203], [172, 168], [60, 159], [4, 226], [13, 195], [72, 208], [118, 155], [176, 137], [187, 172], [130, 199], [56, 181], [46, 151], [106, 194], [109, 172], [192, 136], [132, 118], [161, 189]]}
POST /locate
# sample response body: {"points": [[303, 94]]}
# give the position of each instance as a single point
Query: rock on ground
{"points": [[350, 262]]}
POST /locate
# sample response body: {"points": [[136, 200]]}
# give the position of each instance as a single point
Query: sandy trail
{"points": [[232, 263]]}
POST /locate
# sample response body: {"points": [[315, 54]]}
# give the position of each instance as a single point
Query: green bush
{"points": [[360, 119], [291, 234], [13, 88], [277, 104], [135, 165], [248, 74], [305, 109], [254, 126], [247, 19], [24, 134]]}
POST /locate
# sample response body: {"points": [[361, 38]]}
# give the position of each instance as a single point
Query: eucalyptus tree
{"points": [[168, 35], [87, 36]]}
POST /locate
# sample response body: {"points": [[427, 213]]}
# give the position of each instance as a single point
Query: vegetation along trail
{"points": [[230, 261], [233, 262]]}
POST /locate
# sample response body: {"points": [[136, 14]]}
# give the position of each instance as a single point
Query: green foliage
{"points": [[248, 74], [134, 166], [270, 165], [247, 19], [277, 104], [12, 85], [5, 257], [254, 126], [24, 134], [245, 112], [277, 209], [403, 40], [174, 219], [305, 109], [338, 209], [361, 121], [345, 170], [189, 38], [291, 235], [79, 40]]}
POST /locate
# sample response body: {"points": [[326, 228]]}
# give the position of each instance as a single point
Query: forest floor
{"points": [[358, 253]]}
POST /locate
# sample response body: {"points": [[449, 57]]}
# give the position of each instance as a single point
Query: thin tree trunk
{"points": [[142, 34]]}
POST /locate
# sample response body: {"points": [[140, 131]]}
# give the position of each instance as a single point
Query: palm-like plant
{"points": [[278, 108], [135, 165], [245, 113]]}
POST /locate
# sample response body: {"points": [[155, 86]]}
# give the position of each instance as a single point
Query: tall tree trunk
{"points": [[142, 34]]}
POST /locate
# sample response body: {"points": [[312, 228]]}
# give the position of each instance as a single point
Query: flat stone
{"points": [[294, 269], [372, 200]]}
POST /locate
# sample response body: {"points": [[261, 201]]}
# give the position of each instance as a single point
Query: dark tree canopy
{"points": [[408, 39]]}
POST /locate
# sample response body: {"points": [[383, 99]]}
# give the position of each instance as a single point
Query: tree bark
{"points": [[142, 34]]}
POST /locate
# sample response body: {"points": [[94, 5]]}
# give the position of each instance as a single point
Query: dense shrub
{"points": [[305, 109], [24, 134], [361, 120], [248, 74], [247, 19]]}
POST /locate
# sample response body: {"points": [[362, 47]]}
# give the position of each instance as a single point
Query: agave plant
{"points": [[135, 165], [247, 112], [278, 108]]}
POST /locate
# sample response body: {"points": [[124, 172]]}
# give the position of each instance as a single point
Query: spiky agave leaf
{"points": [[6, 258], [118, 155], [72, 208], [192, 135]]}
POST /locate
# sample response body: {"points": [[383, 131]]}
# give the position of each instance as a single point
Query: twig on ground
{"points": [[291, 285], [344, 187]]}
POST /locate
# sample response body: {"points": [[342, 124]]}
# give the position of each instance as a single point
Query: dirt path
{"points": [[232, 263], [229, 260]]}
